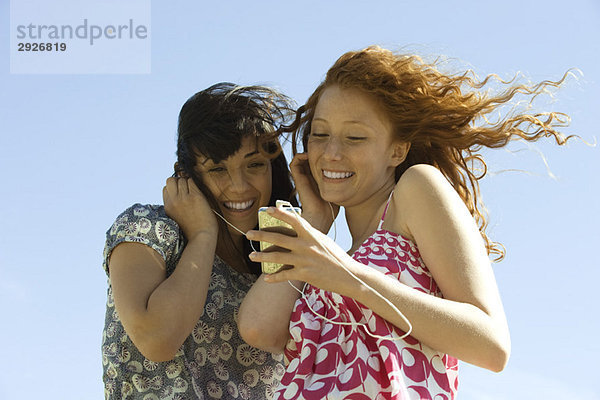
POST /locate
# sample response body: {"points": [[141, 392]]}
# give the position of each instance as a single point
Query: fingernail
{"points": [[253, 254]]}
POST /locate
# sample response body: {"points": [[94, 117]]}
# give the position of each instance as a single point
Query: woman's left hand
{"points": [[315, 258], [319, 212]]}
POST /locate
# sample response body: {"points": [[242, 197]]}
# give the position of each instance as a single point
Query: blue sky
{"points": [[76, 149]]}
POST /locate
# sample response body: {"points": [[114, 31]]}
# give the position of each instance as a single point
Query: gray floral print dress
{"points": [[214, 361]]}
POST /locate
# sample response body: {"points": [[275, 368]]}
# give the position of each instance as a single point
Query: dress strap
{"points": [[385, 210]]}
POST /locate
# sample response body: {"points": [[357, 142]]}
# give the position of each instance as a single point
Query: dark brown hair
{"points": [[213, 123]]}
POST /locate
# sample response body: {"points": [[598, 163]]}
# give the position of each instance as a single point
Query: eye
{"points": [[216, 170], [317, 135], [356, 138], [256, 164]]}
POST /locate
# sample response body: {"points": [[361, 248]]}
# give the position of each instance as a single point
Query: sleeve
{"points": [[146, 224]]}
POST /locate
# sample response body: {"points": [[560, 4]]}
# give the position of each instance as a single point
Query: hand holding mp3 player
{"points": [[269, 223]]}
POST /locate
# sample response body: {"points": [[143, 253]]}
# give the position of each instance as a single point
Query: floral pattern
{"points": [[343, 362], [213, 362]]}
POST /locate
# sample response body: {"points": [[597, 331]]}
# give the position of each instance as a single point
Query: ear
{"points": [[399, 152]]}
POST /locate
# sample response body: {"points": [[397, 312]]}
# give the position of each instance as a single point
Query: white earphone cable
{"points": [[355, 324]]}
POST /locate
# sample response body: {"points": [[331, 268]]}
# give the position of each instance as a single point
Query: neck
{"points": [[231, 251], [364, 218]]}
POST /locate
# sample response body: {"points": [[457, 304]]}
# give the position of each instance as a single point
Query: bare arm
{"points": [[470, 315], [157, 312], [468, 323], [264, 315]]}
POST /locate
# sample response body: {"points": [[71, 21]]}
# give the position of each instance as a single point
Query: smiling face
{"points": [[240, 184], [350, 149]]}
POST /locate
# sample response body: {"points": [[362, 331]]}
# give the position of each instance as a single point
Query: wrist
{"points": [[204, 235], [352, 287], [319, 221]]}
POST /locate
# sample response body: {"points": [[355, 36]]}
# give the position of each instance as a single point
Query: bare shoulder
{"points": [[421, 189], [420, 178], [423, 186]]}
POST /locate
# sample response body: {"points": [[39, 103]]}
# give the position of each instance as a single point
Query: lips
{"points": [[239, 205], [337, 174]]}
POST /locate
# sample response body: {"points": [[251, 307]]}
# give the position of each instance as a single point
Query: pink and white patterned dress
{"points": [[329, 361]]}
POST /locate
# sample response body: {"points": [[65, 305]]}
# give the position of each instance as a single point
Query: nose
{"points": [[239, 183], [333, 149]]}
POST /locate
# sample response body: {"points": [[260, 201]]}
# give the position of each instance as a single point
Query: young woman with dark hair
{"points": [[177, 273]]}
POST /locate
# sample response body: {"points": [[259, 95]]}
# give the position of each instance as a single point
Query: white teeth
{"points": [[240, 205], [337, 175]]}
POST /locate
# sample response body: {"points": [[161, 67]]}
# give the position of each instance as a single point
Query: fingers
{"points": [[182, 186], [165, 195], [287, 259], [299, 160], [278, 239], [171, 186], [300, 169], [306, 185], [177, 186], [288, 216], [278, 257], [192, 186], [169, 191]]}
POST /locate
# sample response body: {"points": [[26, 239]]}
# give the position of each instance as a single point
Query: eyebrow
{"points": [[351, 122], [251, 154]]}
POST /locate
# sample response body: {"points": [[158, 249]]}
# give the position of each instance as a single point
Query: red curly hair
{"points": [[444, 117]]}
